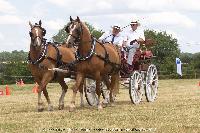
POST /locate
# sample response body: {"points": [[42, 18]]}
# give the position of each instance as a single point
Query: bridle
{"points": [[41, 38], [77, 41], [44, 46], [79, 32]]}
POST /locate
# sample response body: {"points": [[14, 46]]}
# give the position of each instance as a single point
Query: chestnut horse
{"points": [[94, 60], [44, 56]]}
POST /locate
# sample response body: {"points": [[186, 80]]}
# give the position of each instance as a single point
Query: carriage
{"points": [[143, 78]]}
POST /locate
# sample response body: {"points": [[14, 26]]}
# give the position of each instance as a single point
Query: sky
{"points": [[180, 18]]}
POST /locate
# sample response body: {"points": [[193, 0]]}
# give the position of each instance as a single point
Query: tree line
{"points": [[13, 65]]}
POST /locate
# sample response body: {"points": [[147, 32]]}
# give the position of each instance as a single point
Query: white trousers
{"points": [[131, 53]]}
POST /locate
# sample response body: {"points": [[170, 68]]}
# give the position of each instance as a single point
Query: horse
{"points": [[42, 58], [95, 60]]}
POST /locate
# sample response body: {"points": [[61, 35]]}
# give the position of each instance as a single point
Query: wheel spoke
{"points": [[135, 87]]}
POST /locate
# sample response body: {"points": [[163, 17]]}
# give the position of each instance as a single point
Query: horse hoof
{"points": [[61, 107], [105, 105], [40, 109], [82, 105], [100, 107], [71, 109], [50, 108], [112, 104]]}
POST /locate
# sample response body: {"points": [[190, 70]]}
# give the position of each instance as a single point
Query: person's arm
{"points": [[141, 38], [125, 40]]}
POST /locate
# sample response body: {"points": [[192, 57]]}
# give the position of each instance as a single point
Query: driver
{"points": [[133, 39]]}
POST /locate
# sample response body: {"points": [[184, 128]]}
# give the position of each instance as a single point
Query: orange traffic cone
{"points": [[35, 88], [7, 90]]}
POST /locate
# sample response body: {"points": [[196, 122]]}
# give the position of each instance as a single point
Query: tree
{"points": [[196, 61], [12, 65], [95, 32], [61, 36], [165, 49]]}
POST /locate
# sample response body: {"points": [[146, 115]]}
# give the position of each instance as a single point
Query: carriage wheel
{"points": [[90, 92], [151, 83], [136, 87]]}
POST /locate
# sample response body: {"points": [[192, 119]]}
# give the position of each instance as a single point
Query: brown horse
{"points": [[95, 60], [44, 56]]}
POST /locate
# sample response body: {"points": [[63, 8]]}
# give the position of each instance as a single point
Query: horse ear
{"points": [[78, 19], [40, 22], [71, 18], [30, 25]]}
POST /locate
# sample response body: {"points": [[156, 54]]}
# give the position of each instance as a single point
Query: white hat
{"points": [[116, 26], [135, 22]]}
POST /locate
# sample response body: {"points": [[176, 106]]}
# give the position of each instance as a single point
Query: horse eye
{"points": [[67, 29], [77, 31]]}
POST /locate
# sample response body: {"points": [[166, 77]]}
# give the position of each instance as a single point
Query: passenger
{"points": [[113, 37]]}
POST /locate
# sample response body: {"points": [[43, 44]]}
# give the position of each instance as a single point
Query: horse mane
{"points": [[85, 26]]}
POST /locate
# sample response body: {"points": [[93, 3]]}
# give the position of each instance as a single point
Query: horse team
{"points": [[82, 56]]}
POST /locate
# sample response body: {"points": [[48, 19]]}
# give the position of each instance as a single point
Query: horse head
{"points": [[75, 31], [37, 33]]}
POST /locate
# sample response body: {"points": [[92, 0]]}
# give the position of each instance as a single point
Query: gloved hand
{"points": [[131, 43]]}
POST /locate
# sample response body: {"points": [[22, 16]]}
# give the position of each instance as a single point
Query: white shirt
{"points": [[118, 39], [132, 35]]}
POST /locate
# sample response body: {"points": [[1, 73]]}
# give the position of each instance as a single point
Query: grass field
{"points": [[177, 109]]}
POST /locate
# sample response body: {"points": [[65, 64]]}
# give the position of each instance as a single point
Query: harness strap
{"points": [[59, 56], [116, 66]]}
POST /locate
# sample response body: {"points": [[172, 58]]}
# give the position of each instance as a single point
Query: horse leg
{"points": [[114, 87], [42, 87], [117, 78], [50, 107], [98, 89], [64, 90], [40, 103], [81, 93], [79, 80], [107, 83]]}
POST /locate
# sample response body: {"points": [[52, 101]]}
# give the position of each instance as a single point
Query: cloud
{"points": [[91, 7], [6, 7], [105, 5], [187, 5], [58, 2], [174, 34], [88, 7], [163, 5], [171, 18], [10, 19], [1, 36], [39, 10], [56, 24]]}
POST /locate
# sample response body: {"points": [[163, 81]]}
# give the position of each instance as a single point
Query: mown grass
{"points": [[177, 109]]}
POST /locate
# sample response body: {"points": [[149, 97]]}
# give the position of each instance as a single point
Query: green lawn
{"points": [[177, 109]]}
